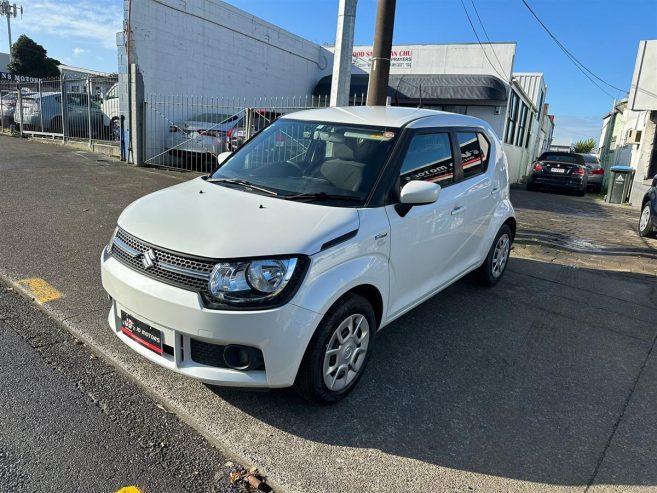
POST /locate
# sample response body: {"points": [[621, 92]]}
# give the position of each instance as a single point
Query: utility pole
{"points": [[9, 11], [342, 58], [377, 88]]}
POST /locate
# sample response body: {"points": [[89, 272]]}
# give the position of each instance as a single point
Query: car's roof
{"points": [[385, 116]]}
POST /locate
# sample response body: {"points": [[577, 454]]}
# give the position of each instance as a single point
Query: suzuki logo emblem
{"points": [[148, 259]]}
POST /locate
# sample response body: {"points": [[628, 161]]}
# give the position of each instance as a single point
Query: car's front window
{"points": [[291, 158]]}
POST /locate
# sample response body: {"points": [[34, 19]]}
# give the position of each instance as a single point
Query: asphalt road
{"points": [[543, 383], [71, 422]]}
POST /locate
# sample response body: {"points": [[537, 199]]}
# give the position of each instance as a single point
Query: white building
{"points": [[629, 132]]}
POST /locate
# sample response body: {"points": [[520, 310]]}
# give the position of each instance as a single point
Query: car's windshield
{"points": [[306, 157], [562, 158]]}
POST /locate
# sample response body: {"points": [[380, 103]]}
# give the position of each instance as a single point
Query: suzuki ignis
{"points": [[279, 268]]}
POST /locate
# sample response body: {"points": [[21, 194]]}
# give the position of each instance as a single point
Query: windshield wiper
{"points": [[322, 196], [244, 183]]}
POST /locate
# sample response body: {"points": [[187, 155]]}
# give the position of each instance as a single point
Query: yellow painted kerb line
{"points": [[40, 289], [129, 489]]}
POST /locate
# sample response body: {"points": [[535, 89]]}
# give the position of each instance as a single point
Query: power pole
{"points": [[377, 88], [9, 11], [342, 58]]}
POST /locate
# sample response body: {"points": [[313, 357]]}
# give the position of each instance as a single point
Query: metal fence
{"points": [[80, 108], [188, 132]]}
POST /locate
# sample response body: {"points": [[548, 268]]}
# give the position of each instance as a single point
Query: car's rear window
{"points": [[562, 157], [590, 159]]}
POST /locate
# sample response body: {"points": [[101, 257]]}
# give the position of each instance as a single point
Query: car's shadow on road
{"points": [[522, 380]]}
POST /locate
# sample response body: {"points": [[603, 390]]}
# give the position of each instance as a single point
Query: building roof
{"points": [[385, 116], [430, 88], [79, 70]]}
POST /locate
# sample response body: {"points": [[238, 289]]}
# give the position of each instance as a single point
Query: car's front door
{"points": [[425, 239]]}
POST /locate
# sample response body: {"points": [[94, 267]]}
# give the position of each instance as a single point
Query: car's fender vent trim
{"points": [[340, 239]]}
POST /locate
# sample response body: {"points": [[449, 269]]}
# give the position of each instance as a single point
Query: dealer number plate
{"points": [[144, 334]]}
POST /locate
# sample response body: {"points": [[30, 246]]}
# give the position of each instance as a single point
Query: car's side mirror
{"points": [[223, 156], [418, 192]]}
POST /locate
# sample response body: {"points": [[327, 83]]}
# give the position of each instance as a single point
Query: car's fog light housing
{"points": [[251, 281]]}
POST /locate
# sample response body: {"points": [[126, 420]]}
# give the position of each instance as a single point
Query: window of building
{"points": [[522, 125], [512, 117], [474, 153], [429, 158]]}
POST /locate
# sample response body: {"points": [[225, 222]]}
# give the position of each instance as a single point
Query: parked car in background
{"points": [[201, 135], [46, 109], [7, 108], [648, 218], [559, 171], [596, 172], [261, 118], [111, 113], [277, 272]]}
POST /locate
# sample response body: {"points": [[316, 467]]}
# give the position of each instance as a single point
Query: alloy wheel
{"points": [[345, 352], [645, 218], [500, 255]]}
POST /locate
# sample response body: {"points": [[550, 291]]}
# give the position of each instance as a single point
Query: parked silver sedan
{"points": [[595, 172], [203, 134]]}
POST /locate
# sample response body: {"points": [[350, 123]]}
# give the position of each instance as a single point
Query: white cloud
{"points": [[571, 128], [95, 21], [79, 51]]}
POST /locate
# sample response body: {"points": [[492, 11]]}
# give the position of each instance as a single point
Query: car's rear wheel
{"points": [[339, 351], [492, 270], [645, 221]]}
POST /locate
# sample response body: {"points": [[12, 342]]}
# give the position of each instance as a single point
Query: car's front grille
{"points": [[180, 270]]}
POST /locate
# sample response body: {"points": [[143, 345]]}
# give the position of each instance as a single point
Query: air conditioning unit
{"points": [[633, 137]]}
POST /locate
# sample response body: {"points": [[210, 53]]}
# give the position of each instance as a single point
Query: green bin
{"points": [[620, 184]]}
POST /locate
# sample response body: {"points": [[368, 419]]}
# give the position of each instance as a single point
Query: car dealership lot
{"points": [[544, 383]]}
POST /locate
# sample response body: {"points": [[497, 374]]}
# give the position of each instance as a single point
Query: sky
{"points": [[603, 34]]}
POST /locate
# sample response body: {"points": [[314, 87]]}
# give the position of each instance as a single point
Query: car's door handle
{"points": [[380, 235], [495, 189], [458, 210]]}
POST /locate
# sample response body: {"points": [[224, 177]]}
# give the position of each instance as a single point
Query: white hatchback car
{"points": [[279, 268]]}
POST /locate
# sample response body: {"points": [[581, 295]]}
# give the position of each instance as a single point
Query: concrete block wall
{"points": [[210, 48]]}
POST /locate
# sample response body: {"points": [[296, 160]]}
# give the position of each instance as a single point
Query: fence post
{"points": [[19, 102], [137, 109], [89, 108], [62, 92], [41, 105]]}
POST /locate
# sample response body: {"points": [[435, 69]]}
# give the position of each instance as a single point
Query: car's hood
{"points": [[209, 220]]}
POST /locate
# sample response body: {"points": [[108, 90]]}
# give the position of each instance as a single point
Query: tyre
{"points": [[115, 130], [492, 270], [646, 229], [580, 193], [338, 352]]}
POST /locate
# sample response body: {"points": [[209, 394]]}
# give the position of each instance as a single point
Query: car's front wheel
{"points": [[646, 227], [339, 351], [493, 268]]}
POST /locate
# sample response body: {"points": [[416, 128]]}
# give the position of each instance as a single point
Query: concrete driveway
{"points": [[544, 383]]}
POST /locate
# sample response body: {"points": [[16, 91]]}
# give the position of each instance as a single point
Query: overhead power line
{"points": [[503, 77], [582, 68], [486, 34]]}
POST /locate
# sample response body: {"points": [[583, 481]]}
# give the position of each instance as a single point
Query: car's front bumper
{"points": [[282, 334]]}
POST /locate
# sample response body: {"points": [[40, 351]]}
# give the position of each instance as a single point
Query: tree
{"points": [[31, 59], [585, 146]]}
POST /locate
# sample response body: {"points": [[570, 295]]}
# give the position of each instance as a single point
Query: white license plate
{"points": [[558, 170]]}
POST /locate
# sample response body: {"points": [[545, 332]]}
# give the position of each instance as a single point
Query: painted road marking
{"points": [[40, 289], [129, 489]]}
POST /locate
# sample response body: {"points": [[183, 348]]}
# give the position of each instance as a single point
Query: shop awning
{"points": [[431, 89]]}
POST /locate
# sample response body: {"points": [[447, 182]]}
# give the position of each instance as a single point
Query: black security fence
{"points": [[77, 108], [189, 132]]}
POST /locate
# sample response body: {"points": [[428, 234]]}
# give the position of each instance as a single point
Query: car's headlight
{"points": [[255, 282]]}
